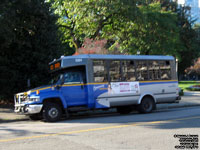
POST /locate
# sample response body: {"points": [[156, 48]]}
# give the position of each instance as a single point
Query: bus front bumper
{"points": [[28, 109]]}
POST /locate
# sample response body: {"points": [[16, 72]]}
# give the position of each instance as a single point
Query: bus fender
{"points": [[56, 97], [146, 94]]}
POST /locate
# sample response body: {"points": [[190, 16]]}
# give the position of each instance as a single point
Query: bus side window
{"points": [[142, 72], [114, 71], [128, 70], [165, 70], [100, 71], [154, 70]]}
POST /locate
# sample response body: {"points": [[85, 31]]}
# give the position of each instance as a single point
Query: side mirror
{"points": [[62, 81]]}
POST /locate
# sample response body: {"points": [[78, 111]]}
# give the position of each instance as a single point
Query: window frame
{"points": [[80, 74]]}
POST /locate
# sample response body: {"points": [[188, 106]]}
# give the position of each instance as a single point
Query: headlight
{"points": [[34, 99], [29, 92]]}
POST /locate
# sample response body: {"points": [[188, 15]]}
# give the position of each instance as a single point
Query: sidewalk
{"points": [[188, 100], [8, 115]]}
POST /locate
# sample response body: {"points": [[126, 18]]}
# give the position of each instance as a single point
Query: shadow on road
{"points": [[15, 132], [170, 118], [176, 124], [163, 119]]}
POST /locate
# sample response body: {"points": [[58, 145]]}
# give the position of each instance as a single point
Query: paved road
{"points": [[188, 100], [106, 132]]}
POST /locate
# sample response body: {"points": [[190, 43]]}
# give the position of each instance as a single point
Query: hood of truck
{"points": [[40, 89]]}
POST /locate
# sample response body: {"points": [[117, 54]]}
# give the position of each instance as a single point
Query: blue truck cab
{"points": [[87, 82], [71, 90]]}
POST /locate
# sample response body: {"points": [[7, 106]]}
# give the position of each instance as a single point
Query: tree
{"points": [[90, 46], [194, 70], [128, 25], [155, 32], [197, 30], [29, 40], [189, 49], [94, 19]]}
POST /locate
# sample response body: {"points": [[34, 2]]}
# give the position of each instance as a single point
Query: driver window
{"points": [[72, 78]]}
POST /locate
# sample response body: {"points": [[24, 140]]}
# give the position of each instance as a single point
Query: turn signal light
{"points": [[37, 92]]}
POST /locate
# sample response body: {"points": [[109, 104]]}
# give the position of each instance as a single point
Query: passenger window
{"points": [[72, 78], [165, 70], [142, 73], [114, 71], [100, 72], [154, 70], [128, 69]]}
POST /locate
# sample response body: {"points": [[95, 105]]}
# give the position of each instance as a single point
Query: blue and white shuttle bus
{"points": [[88, 82]]}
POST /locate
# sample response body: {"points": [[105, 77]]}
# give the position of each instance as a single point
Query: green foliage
{"points": [[185, 84], [95, 19], [190, 85], [31, 35], [193, 88], [145, 26], [29, 40], [155, 32], [197, 30], [151, 27], [189, 48]]}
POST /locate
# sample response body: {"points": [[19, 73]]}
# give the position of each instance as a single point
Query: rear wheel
{"points": [[52, 112], [147, 105], [124, 109]]}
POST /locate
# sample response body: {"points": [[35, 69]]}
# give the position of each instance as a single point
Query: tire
{"points": [[35, 117], [52, 112], [124, 109], [147, 105]]}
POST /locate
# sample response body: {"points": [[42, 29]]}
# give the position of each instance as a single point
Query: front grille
{"points": [[20, 98]]}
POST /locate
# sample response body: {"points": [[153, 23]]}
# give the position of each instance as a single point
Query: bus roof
{"points": [[98, 56], [69, 61]]}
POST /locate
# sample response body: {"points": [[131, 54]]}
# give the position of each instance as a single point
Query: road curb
{"points": [[181, 106]]}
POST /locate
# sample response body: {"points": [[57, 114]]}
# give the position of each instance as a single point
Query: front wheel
{"points": [[52, 112], [147, 105]]}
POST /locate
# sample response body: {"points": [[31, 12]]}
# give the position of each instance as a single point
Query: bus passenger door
{"points": [[73, 89]]}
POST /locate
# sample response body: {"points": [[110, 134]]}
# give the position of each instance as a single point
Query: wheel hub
{"points": [[53, 112], [146, 105]]}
